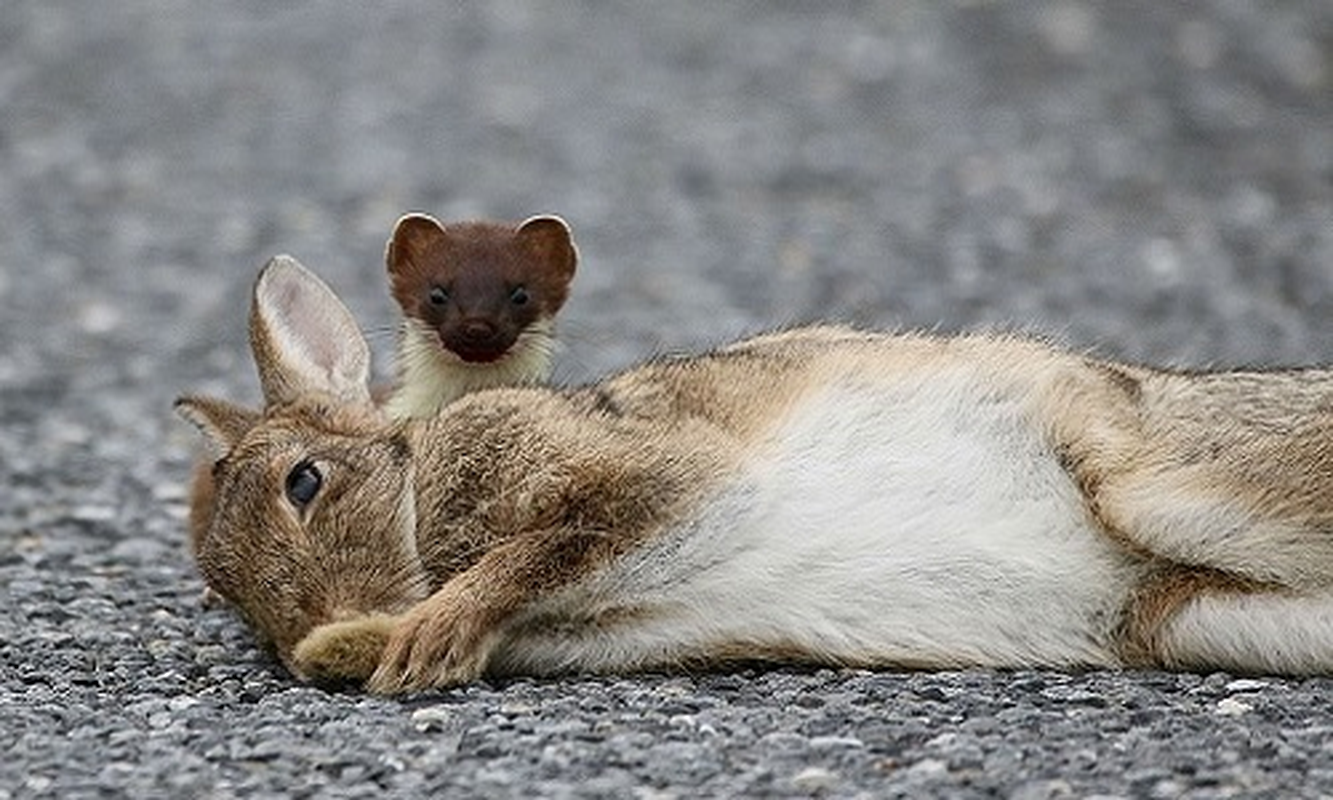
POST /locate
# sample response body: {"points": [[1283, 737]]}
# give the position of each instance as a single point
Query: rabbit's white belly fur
{"points": [[920, 525]]}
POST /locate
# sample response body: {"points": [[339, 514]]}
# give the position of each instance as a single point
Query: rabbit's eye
{"points": [[303, 483], [519, 296], [438, 295]]}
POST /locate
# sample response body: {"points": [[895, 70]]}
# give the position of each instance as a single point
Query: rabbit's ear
{"points": [[222, 423], [304, 339]]}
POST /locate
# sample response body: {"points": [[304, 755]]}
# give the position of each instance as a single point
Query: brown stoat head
{"points": [[480, 285]]}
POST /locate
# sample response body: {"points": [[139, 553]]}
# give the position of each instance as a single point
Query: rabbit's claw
{"points": [[436, 645]]}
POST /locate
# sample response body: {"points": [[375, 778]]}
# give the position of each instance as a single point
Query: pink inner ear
{"points": [[316, 345], [310, 330], [327, 340]]}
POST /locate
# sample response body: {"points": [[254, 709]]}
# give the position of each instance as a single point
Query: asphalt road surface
{"points": [[1148, 180]]}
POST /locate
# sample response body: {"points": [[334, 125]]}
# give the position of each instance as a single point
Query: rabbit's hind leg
{"points": [[1211, 621], [1198, 514]]}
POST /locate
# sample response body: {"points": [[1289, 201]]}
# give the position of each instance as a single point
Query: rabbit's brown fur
{"points": [[819, 494]]}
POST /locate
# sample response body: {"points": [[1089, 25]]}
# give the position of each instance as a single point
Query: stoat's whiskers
{"points": [[430, 377]]}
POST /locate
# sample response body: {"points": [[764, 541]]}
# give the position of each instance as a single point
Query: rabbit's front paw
{"points": [[342, 652], [442, 642]]}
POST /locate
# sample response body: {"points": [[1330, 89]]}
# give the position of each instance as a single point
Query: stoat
{"points": [[479, 301]]}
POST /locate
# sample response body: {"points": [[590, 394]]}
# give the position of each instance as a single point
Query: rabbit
{"points": [[817, 495]]}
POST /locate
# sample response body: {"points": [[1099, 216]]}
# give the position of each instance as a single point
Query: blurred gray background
{"points": [[1151, 181]]}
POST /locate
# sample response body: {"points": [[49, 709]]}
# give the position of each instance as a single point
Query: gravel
{"points": [[1153, 181]]}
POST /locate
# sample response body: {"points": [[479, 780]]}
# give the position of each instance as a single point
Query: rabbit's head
{"points": [[313, 519]]}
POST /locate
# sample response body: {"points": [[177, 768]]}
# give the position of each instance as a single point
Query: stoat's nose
{"points": [[477, 330]]}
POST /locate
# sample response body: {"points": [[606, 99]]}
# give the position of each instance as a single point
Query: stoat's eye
{"points": [[519, 296], [303, 483], [438, 295]]}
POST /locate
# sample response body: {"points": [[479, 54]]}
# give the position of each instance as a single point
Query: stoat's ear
{"points": [[412, 236], [548, 239], [303, 338]]}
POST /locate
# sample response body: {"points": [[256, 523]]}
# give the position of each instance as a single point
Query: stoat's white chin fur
{"points": [[430, 377]]}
